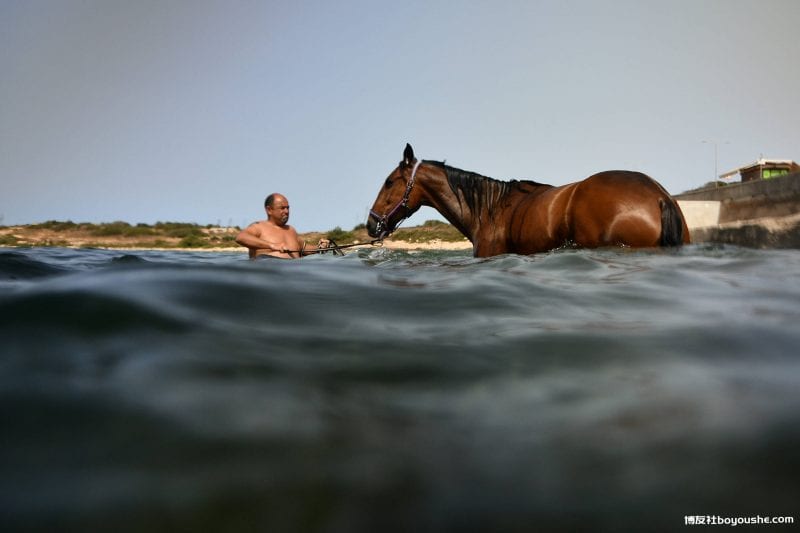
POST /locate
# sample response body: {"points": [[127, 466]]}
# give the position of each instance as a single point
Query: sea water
{"points": [[391, 391]]}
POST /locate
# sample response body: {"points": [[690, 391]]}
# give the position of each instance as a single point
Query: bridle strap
{"points": [[383, 219]]}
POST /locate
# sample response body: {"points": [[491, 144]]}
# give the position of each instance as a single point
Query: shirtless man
{"points": [[274, 236]]}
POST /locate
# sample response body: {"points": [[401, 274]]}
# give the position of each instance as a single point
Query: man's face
{"points": [[278, 212]]}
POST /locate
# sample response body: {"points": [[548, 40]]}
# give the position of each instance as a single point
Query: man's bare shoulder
{"points": [[256, 227]]}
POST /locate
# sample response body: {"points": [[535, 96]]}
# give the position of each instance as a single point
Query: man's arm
{"points": [[250, 238]]}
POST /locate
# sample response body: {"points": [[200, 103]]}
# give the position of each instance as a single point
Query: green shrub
{"points": [[121, 229], [227, 240], [111, 229], [434, 224], [193, 241], [185, 233], [8, 240], [339, 235], [437, 231], [180, 230], [55, 225]]}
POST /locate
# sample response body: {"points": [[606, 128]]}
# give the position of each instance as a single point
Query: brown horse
{"points": [[613, 208]]}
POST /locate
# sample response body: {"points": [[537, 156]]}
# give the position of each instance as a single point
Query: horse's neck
{"points": [[466, 200]]}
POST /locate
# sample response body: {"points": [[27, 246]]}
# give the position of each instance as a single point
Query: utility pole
{"points": [[716, 157]]}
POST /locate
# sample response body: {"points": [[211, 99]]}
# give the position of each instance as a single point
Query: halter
{"points": [[384, 219]]}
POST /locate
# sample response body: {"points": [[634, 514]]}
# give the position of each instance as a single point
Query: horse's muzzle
{"points": [[376, 226]]}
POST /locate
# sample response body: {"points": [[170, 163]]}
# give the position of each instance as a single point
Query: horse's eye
{"points": [[389, 183]]}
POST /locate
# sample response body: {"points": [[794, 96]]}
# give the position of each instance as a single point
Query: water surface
{"points": [[389, 391]]}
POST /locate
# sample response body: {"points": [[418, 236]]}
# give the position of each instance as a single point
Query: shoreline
{"points": [[388, 244], [192, 238], [762, 232]]}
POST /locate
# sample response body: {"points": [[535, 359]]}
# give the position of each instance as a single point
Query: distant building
{"points": [[762, 169]]}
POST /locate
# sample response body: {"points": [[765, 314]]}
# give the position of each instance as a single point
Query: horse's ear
{"points": [[408, 155]]}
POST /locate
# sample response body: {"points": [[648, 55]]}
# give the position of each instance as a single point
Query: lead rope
{"points": [[336, 248]]}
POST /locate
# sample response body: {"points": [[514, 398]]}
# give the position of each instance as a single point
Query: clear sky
{"points": [[194, 111]]}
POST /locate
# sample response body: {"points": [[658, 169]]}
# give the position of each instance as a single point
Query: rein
{"points": [[335, 248], [381, 225]]}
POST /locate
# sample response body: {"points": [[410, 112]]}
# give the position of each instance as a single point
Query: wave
{"points": [[14, 266]]}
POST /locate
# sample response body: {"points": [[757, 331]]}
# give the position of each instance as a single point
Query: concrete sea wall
{"points": [[758, 214]]}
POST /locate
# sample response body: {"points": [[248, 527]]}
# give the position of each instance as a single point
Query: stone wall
{"points": [[781, 232], [775, 197], [757, 214]]}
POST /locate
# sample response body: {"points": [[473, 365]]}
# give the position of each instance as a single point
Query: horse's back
{"points": [[620, 181], [621, 207]]}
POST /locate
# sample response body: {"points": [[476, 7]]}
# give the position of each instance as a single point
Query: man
{"points": [[274, 236]]}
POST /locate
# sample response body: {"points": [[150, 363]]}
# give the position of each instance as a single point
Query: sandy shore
{"points": [[432, 245]]}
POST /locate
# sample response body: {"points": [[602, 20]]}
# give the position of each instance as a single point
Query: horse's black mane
{"points": [[477, 191]]}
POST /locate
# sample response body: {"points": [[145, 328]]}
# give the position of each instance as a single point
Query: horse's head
{"points": [[394, 202]]}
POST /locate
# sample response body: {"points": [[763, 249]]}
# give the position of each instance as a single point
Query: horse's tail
{"points": [[671, 223]]}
